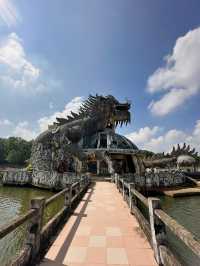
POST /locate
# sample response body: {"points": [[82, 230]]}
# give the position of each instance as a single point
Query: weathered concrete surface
{"points": [[101, 232], [42, 179], [16, 177], [182, 192], [164, 179]]}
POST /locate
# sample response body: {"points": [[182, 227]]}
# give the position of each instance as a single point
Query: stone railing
{"points": [[38, 235], [157, 180], [154, 221]]}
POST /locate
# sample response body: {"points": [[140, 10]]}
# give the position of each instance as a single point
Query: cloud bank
{"points": [[24, 130], [152, 138], [179, 78], [18, 72], [73, 105]]}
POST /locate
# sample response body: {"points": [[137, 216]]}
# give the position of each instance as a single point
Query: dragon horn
{"points": [[61, 120], [74, 114], [69, 117], [188, 148]]}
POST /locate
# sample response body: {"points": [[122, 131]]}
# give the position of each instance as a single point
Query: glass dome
{"points": [[107, 140]]}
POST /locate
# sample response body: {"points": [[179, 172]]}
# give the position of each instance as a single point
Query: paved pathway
{"points": [[101, 232]]}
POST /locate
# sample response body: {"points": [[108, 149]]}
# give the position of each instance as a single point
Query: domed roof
{"points": [[185, 160], [107, 140], [121, 142]]}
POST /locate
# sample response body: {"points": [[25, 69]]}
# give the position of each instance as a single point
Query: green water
{"points": [[186, 210], [15, 201]]}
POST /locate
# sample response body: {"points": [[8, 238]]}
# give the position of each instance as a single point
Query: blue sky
{"points": [[54, 53]]}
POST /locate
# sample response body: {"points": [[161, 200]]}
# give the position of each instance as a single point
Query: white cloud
{"points": [[143, 135], [24, 131], [151, 139], [73, 105], [17, 70], [5, 122], [8, 13], [179, 79], [194, 139]]}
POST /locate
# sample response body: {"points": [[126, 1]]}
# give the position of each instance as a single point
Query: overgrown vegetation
{"points": [[147, 153], [14, 150]]}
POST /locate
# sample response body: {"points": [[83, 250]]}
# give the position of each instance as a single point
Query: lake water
{"points": [[15, 201], [186, 210]]}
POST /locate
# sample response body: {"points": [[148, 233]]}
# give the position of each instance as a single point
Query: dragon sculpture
{"points": [[58, 145], [184, 150], [161, 159]]}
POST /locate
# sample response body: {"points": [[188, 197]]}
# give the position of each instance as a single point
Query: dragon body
{"points": [[55, 148]]}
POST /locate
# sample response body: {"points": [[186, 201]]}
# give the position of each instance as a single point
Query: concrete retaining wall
{"points": [[42, 179]]}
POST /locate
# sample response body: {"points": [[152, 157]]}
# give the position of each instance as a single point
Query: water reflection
{"points": [[186, 210], [15, 201]]}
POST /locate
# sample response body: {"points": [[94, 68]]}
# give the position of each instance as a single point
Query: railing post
{"points": [[117, 182], [85, 181], [78, 189], [115, 178], [130, 197], [123, 189], [68, 197], [35, 226], [134, 199], [158, 232], [82, 184], [119, 188]]}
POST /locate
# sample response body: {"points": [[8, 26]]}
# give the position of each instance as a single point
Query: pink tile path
{"points": [[101, 232]]}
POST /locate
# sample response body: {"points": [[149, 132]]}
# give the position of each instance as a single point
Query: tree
{"points": [[2, 151], [14, 157], [15, 150]]}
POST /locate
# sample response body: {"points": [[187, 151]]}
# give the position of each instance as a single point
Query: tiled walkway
{"points": [[101, 232]]}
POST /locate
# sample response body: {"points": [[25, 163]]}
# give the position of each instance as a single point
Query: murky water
{"points": [[15, 201], [186, 210]]}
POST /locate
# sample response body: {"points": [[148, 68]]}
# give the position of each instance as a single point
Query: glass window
{"points": [[103, 141]]}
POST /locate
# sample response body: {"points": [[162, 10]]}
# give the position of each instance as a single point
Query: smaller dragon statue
{"points": [[161, 159]]}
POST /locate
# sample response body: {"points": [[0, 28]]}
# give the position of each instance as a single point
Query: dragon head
{"points": [[116, 113], [106, 110]]}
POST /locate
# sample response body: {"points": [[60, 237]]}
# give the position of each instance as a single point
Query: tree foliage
{"points": [[2, 150], [147, 153], [14, 150]]}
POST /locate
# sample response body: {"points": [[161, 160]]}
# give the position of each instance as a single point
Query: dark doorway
{"points": [[92, 167], [103, 141], [103, 169], [130, 164]]}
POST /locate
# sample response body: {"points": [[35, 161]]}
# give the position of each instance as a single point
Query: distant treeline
{"points": [[14, 150]]}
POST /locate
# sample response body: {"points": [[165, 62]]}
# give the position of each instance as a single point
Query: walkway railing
{"points": [[38, 234], [154, 221]]}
